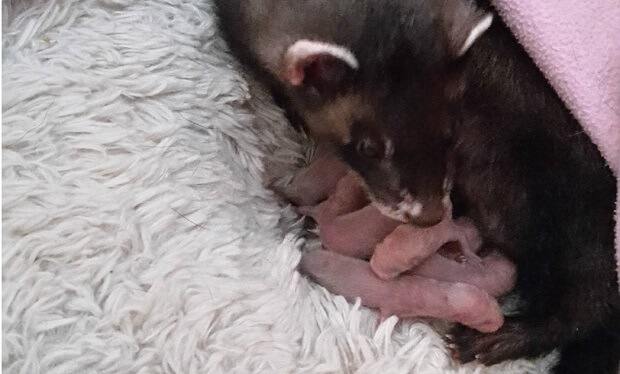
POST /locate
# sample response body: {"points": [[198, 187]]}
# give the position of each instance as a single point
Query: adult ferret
{"points": [[421, 97]]}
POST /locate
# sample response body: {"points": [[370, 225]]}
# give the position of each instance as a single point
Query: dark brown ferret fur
{"points": [[417, 113]]}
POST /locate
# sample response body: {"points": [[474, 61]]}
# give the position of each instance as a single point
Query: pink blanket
{"points": [[576, 44]]}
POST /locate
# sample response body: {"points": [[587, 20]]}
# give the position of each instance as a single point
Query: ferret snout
{"points": [[419, 212], [423, 212], [430, 216]]}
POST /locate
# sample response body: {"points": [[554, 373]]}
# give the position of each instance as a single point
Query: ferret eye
{"points": [[369, 148]]}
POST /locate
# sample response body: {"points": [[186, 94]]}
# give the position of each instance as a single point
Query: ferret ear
{"points": [[464, 24], [323, 66]]}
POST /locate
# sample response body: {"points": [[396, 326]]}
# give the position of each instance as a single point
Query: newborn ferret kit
{"points": [[442, 115], [405, 277]]}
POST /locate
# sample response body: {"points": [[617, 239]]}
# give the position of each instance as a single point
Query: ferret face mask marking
{"points": [[392, 128], [389, 110], [405, 179]]}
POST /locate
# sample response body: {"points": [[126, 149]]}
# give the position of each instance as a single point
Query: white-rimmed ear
{"points": [[479, 28], [318, 64], [464, 24]]}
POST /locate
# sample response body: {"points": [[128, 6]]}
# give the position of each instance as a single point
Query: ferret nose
{"points": [[432, 213]]}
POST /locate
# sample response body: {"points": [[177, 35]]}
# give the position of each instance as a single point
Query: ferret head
{"points": [[386, 100]]}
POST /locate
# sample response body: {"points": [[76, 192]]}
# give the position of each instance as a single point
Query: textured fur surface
{"points": [[138, 236], [573, 43]]}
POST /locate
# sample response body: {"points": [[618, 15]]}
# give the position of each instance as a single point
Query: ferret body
{"points": [[428, 97], [540, 191]]}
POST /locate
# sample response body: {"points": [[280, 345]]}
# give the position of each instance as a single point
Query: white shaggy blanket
{"points": [[138, 236]]}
